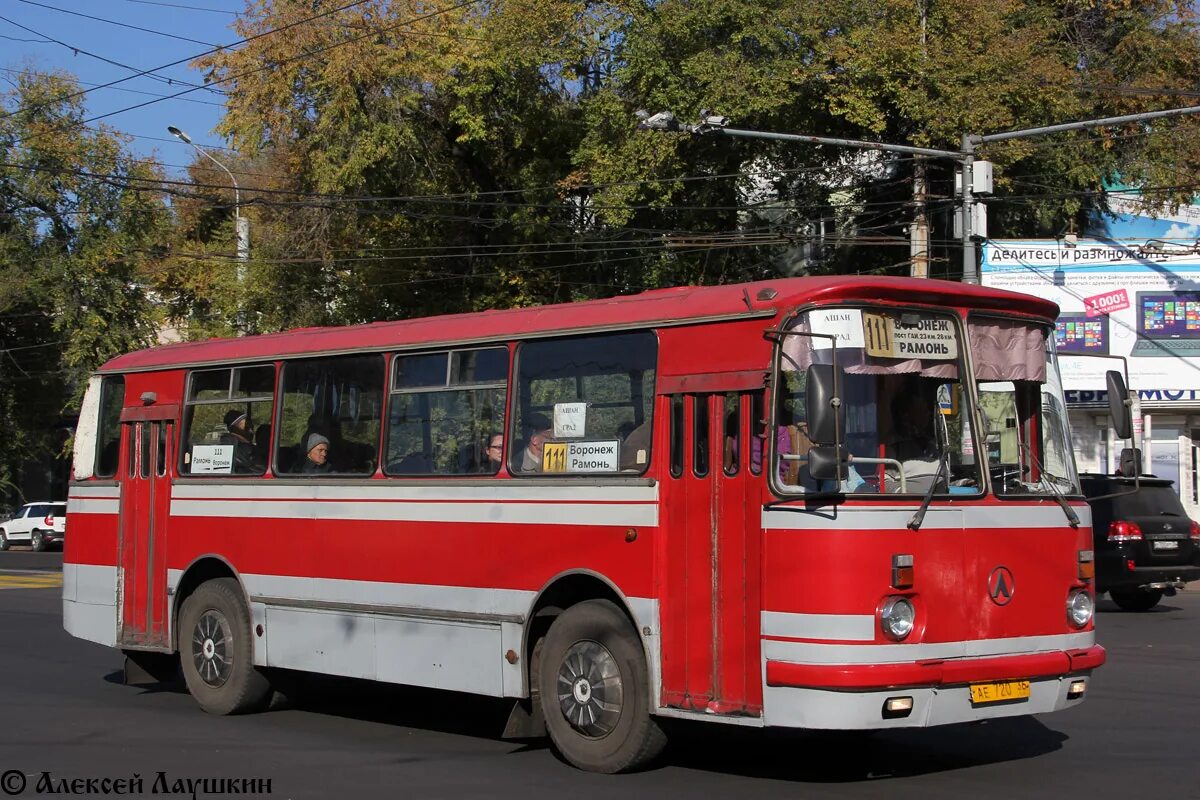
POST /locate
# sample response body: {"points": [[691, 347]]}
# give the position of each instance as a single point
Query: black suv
{"points": [[1145, 545]]}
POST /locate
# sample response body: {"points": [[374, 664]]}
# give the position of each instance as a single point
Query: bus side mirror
{"points": [[1118, 405], [827, 463], [823, 407]]}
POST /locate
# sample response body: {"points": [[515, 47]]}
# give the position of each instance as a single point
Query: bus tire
{"points": [[594, 690], [1135, 599], [216, 651]]}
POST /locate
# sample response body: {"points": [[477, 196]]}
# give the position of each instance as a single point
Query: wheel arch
{"points": [[569, 588], [207, 567]]}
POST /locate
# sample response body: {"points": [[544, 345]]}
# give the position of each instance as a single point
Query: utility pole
{"points": [[972, 141], [972, 170], [918, 232]]}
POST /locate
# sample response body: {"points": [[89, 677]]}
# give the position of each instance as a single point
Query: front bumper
{"points": [[852, 696]]}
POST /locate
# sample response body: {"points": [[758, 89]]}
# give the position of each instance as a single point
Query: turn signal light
{"points": [[902, 571], [1124, 531], [1087, 565]]}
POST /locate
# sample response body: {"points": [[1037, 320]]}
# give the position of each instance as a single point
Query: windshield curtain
{"points": [[907, 418], [1024, 414]]}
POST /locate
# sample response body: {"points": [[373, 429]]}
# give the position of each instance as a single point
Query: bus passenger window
{"points": [[331, 416], [732, 451], [446, 413], [700, 435], [223, 409], [108, 434], [676, 435], [585, 405]]}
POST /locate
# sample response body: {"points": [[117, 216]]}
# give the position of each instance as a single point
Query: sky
{"points": [[201, 24]]}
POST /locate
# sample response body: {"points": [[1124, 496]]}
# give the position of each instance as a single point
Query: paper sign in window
{"points": [[886, 337], [212, 458], [570, 420]]}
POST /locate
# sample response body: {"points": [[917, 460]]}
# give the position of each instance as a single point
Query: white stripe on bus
{"points": [[641, 515], [834, 518], [844, 627]]}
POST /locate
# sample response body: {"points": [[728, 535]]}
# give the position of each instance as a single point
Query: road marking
{"points": [[26, 580]]}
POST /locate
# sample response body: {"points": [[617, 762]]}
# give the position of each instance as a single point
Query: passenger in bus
{"points": [[539, 431], [316, 460], [237, 425], [262, 443], [494, 453], [913, 442], [635, 446]]}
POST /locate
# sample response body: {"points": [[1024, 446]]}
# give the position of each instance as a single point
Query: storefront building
{"points": [[1136, 298]]}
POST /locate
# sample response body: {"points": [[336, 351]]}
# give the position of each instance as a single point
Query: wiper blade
{"points": [[1072, 517], [919, 517]]}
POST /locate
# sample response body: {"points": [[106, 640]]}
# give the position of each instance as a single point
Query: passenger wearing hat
{"points": [[316, 460], [244, 459], [238, 425]]}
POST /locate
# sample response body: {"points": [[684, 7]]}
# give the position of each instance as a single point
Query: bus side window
{"points": [[331, 415], [108, 434], [588, 401], [445, 411], [222, 411]]}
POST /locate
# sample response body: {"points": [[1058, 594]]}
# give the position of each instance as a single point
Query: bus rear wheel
{"points": [[594, 690], [216, 650]]}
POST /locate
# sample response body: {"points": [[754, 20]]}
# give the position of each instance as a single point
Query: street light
{"points": [[241, 226]]}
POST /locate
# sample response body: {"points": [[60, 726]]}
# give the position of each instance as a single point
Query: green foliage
{"points": [[76, 255]]}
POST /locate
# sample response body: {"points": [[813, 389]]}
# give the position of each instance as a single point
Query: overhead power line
{"points": [[190, 58], [115, 22], [186, 8]]}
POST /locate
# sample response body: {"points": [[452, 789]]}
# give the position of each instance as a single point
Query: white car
{"points": [[39, 524]]}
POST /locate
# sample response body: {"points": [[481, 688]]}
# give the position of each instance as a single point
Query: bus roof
{"points": [[657, 307]]}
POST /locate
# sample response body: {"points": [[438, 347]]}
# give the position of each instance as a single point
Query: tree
{"points": [[429, 160], [81, 222]]}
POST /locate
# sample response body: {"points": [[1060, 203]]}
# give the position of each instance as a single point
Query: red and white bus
{"points": [[823, 503]]}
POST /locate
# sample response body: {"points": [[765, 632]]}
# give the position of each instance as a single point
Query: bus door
{"points": [[148, 435], [710, 616]]}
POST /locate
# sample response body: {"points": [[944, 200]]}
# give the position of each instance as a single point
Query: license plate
{"points": [[1168, 545], [982, 693]]}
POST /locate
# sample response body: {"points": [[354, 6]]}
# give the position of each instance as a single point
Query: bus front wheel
{"points": [[216, 650], [594, 690]]}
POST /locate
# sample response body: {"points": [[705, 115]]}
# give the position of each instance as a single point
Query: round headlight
{"points": [[1079, 608], [896, 618]]}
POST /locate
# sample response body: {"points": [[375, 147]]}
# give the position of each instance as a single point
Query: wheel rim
{"points": [[590, 693], [212, 648], [37, 541]]}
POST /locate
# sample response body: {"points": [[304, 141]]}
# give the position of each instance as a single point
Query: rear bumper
{"points": [[852, 696], [1141, 576], [933, 673]]}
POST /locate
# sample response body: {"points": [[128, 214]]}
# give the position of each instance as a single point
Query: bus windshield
{"points": [[1022, 408], [908, 426]]}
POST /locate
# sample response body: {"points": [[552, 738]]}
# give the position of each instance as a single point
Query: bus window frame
{"points": [[512, 433], [185, 426], [448, 350], [966, 365], [1048, 328]]}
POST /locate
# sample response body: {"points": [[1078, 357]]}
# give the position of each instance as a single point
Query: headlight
{"points": [[1079, 608], [896, 618]]}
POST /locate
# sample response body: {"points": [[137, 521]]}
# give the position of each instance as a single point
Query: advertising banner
{"points": [[1120, 298]]}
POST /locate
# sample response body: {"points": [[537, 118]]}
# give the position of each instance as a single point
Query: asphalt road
{"points": [[64, 711]]}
